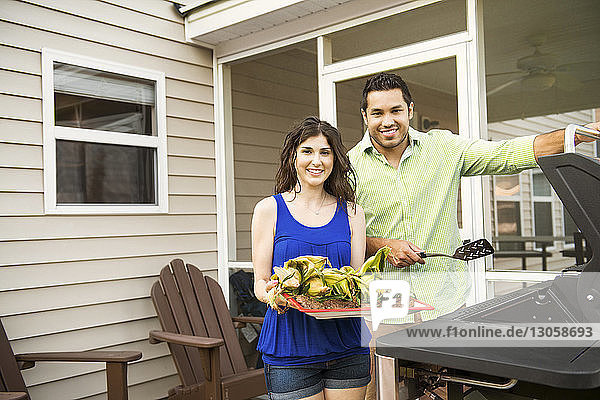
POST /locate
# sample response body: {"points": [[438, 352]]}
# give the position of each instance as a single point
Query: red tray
{"points": [[328, 313]]}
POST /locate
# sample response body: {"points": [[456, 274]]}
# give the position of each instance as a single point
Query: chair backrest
{"points": [[11, 379], [190, 303]]}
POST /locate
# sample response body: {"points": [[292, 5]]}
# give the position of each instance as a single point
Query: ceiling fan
{"points": [[539, 71]]}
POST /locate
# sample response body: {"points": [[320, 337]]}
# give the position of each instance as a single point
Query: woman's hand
{"points": [[279, 299], [270, 285]]}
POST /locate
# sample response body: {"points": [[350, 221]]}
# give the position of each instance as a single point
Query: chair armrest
{"points": [[248, 319], [185, 340], [28, 360], [207, 347], [116, 366], [13, 396], [82, 356]]}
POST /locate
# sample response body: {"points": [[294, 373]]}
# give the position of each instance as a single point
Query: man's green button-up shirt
{"points": [[418, 202]]}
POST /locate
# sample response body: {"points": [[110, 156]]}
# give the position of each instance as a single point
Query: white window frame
{"points": [[53, 133]]}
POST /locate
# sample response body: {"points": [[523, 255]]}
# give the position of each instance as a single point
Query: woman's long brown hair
{"points": [[341, 183]]}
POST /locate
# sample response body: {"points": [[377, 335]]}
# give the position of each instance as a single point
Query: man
{"points": [[407, 184]]}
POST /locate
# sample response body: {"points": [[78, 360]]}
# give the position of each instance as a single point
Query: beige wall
{"points": [[82, 282], [268, 95]]}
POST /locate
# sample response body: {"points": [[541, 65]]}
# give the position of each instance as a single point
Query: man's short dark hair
{"points": [[385, 81]]}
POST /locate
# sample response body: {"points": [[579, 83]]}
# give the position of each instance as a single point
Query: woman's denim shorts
{"points": [[299, 381]]}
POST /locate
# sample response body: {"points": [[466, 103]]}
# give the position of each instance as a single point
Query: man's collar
{"points": [[365, 142], [413, 134]]}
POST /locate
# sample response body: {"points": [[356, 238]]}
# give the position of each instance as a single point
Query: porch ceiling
{"points": [[512, 28], [238, 26], [214, 22]]}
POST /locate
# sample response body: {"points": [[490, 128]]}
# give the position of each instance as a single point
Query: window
{"points": [[421, 23], [542, 205], [507, 193], [104, 136]]}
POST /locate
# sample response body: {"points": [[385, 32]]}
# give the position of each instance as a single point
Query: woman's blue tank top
{"points": [[294, 338]]}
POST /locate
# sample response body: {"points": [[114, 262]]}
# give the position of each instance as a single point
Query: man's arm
{"points": [[403, 253], [483, 157], [554, 142]]}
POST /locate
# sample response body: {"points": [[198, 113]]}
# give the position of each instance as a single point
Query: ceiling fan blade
{"points": [[503, 73], [503, 86], [566, 81], [581, 70], [579, 67]]}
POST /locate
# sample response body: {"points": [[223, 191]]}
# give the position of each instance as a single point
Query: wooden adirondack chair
{"points": [[201, 336], [12, 386]]}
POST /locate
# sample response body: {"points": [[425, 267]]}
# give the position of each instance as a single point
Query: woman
{"points": [[313, 213]]}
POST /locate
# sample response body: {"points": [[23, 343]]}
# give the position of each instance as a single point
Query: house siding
{"points": [[268, 96], [78, 282]]}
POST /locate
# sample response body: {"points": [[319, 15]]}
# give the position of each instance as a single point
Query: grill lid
{"points": [[576, 180]]}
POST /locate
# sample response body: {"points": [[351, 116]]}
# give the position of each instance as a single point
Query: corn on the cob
{"points": [[315, 287]]}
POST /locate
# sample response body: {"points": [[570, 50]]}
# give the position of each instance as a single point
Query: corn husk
{"points": [[288, 277], [309, 275]]}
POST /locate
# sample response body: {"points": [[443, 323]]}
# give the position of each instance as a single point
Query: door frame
{"points": [[452, 46]]}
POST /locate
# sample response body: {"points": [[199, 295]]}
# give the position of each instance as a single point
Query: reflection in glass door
{"points": [[507, 201], [438, 77], [541, 74]]}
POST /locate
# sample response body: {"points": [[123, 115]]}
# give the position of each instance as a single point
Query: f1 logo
{"points": [[388, 299]]}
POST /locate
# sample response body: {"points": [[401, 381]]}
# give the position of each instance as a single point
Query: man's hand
{"points": [[584, 139], [403, 253], [554, 143]]}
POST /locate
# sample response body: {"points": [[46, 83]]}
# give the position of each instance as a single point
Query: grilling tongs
{"points": [[466, 252]]}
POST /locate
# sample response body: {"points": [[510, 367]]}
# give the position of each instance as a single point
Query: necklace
{"points": [[318, 209]]}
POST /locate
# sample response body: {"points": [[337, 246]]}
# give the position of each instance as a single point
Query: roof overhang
{"points": [[236, 26]]}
